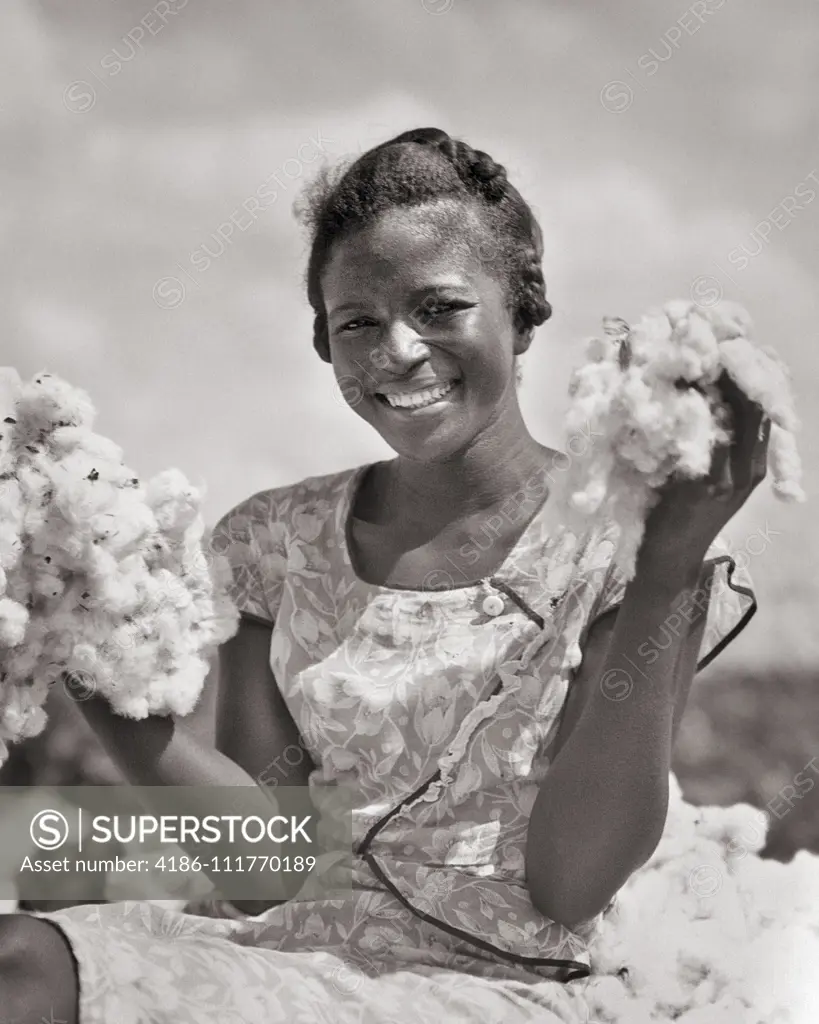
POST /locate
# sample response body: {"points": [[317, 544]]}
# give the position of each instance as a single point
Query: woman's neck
{"points": [[474, 481]]}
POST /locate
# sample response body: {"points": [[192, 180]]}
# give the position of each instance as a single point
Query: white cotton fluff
{"points": [[707, 932], [100, 576], [650, 397]]}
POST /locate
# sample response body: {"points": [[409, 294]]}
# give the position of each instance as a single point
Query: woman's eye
{"points": [[354, 325], [432, 310]]}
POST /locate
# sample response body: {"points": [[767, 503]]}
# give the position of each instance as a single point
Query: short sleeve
{"points": [[729, 598], [250, 556]]}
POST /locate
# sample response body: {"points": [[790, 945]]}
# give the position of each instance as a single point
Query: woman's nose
{"points": [[400, 346]]}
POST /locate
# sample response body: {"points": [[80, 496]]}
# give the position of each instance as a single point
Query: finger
{"points": [[746, 415], [759, 466], [719, 480], [747, 419], [745, 456], [9, 387]]}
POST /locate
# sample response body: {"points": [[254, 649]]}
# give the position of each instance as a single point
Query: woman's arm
{"points": [[601, 809], [253, 729], [253, 724]]}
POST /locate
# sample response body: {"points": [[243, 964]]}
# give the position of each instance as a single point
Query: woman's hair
{"points": [[422, 166]]}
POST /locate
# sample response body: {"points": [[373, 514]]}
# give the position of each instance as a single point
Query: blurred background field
{"points": [[666, 153]]}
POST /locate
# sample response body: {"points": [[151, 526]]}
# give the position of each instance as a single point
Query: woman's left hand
{"points": [[691, 513]]}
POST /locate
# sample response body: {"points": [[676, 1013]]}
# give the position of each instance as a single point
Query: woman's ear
{"points": [[523, 339]]}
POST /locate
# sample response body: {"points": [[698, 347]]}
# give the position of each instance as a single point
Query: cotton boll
{"points": [[185, 687], [78, 498], [707, 949], [48, 401], [33, 483], [730, 320], [130, 705], [731, 826], [782, 983], [804, 871], [695, 435], [10, 385], [122, 595], [706, 993], [172, 591], [19, 663], [785, 465], [588, 502], [102, 572], [135, 522], [650, 428], [691, 353], [64, 440], [223, 623], [20, 719], [653, 330], [607, 1000], [728, 1010], [47, 582], [100, 448], [677, 310], [13, 622], [8, 453], [11, 546], [83, 656], [174, 501], [781, 892], [125, 637], [762, 377], [11, 509]]}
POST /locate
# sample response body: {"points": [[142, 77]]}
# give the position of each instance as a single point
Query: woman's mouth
{"points": [[411, 401]]}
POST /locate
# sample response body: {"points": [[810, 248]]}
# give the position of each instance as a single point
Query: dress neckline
{"points": [[346, 517]]}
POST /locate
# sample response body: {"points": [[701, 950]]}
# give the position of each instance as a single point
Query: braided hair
{"points": [[421, 166]]}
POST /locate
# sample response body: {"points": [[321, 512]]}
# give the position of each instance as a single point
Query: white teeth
{"points": [[420, 398]]}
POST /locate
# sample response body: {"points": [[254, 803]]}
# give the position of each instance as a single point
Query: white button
{"points": [[493, 605]]}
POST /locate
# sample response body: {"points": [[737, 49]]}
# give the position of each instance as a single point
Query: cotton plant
{"points": [[650, 397], [103, 579]]}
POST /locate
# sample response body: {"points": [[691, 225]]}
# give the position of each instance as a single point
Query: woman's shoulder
{"points": [[275, 505]]}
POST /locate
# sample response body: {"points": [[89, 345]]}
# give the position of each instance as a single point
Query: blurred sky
{"points": [[663, 150]]}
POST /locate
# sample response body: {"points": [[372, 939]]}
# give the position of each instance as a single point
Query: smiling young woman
{"points": [[430, 644]]}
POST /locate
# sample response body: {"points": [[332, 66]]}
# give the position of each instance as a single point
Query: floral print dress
{"points": [[435, 713]]}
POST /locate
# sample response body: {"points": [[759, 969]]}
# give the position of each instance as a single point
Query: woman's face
{"points": [[422, 343]]}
